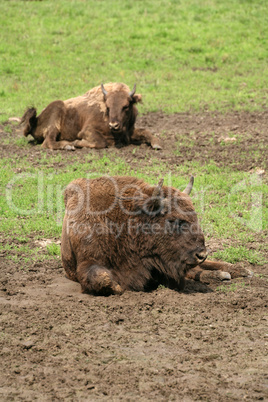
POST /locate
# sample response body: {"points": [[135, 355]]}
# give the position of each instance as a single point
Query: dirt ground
{"points": [[200, 344]]}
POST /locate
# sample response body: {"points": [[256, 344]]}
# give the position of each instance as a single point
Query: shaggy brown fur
{"points": [[100, 118], [120, 234]]}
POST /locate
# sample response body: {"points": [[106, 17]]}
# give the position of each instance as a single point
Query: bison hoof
{"points": [[118, 290], [69, 148], [104, 285], [212, 276], [240, 272], [224, 276], [237, 270], [156, 146]]}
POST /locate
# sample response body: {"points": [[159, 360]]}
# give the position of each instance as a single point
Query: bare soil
{"points": [[205, 343]]}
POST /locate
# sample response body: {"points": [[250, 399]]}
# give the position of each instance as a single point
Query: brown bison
{"points": [[102, 117], [119, 233]]}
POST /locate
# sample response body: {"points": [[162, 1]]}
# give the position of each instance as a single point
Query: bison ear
{"points": [[137, 98], [154, 204], [151, 206]]}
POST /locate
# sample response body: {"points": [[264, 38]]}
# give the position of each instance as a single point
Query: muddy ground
{"points": [[200, 344]]}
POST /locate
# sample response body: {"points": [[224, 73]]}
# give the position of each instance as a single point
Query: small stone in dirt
{"points": [[14, 119], [234, 128], [91, 387], [227, 139], [260, 172], [45, 242], [27, 344]]}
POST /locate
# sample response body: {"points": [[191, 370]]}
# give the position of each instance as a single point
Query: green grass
{"points": [[182, 54], [232, 287], [236, 254], [53, 249], [26, 255]]}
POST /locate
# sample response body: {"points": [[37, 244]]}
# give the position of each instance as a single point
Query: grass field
{"points": [[184, 56]]}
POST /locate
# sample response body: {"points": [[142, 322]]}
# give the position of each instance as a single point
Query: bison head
{"points": [[120, 108], [181, 241], [169, 225]]}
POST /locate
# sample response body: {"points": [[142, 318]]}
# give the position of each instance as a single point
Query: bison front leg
{"points": [[90, 144], [60, 145], [210, 271], [97, 280], [235, 270], [89, 138], [52, 143], [141, 136], [206, 276]]}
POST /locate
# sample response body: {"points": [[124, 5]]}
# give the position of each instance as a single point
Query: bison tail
{"points": [[29, 120]]}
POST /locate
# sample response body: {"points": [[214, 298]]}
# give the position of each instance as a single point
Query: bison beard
{"points": [[119, 233], [102, 117]]}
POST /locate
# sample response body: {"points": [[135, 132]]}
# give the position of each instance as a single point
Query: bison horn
{"points": [[105, 93], [157, 190], [189, 186], [133, 91]]}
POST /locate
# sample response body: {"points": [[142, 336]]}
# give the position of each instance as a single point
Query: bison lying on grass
{"points": [[119, 233], [102, 117]]}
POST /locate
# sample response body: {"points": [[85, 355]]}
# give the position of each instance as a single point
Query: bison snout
{"points": [[114, 126], [196, 257], [201, 256]]}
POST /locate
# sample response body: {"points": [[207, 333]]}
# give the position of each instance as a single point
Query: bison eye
{"points": [[126, 107], [108, 110]]}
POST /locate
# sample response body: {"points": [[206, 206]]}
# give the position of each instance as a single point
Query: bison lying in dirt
{"points": [[102, 117], [120, 233]]}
